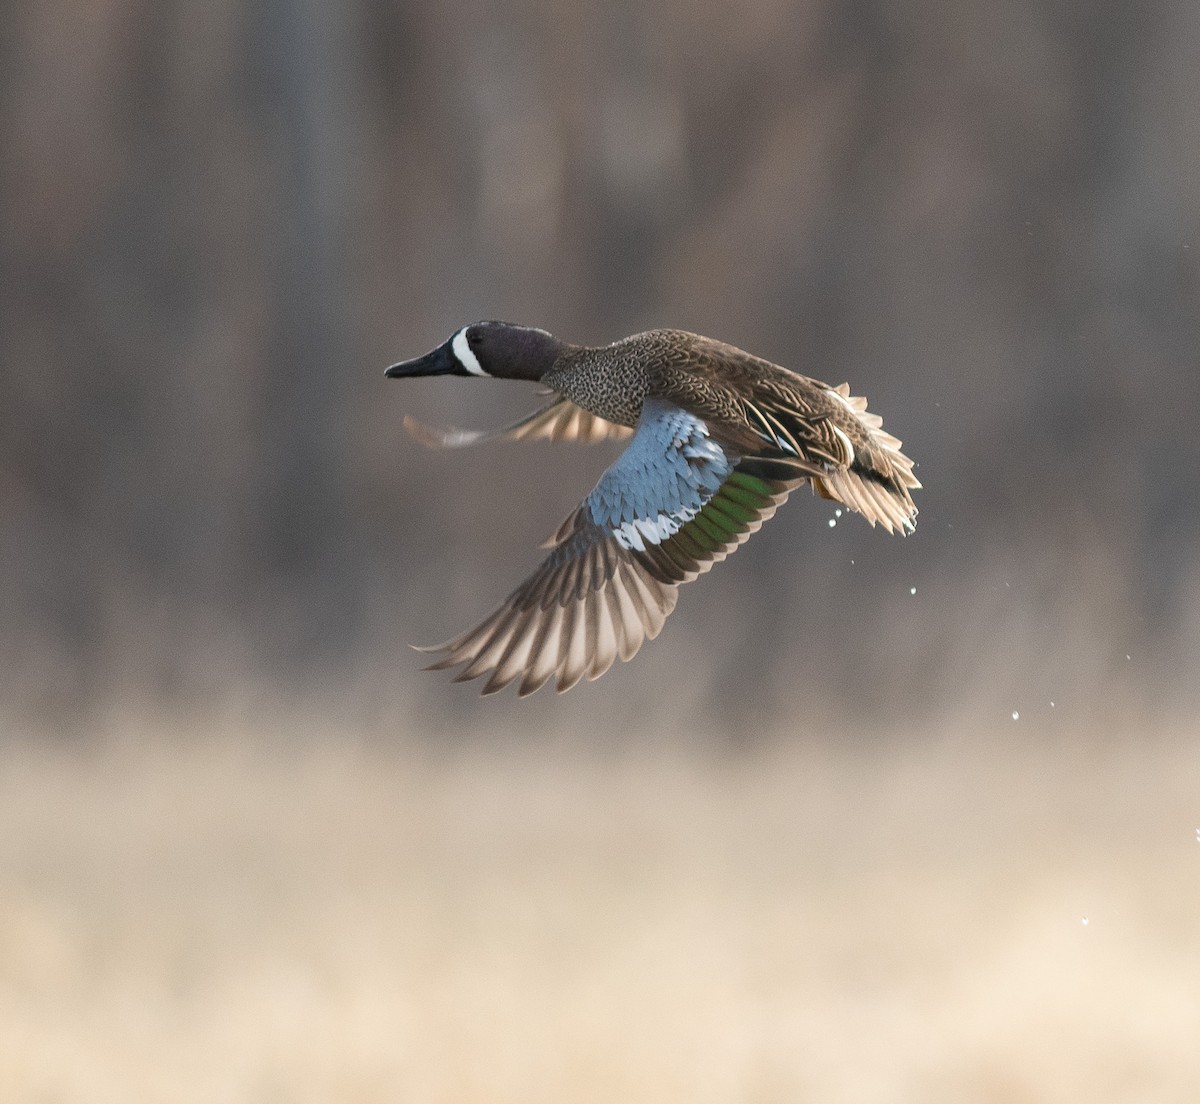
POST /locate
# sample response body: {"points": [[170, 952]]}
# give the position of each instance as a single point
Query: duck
{"points": [[717, 439]]}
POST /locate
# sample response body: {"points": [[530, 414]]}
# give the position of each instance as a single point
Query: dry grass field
{"points": [[291, 916]]}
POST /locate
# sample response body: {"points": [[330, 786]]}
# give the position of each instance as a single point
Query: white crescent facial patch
{"points": [[462, 350]]}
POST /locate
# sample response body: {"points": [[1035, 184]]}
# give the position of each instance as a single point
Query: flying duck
{"points": [[718, 438]]}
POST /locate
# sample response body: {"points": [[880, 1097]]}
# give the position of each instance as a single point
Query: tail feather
{"points": [[879, 481]]}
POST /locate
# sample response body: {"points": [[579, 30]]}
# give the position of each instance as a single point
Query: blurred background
{"points": [[222, 221]]}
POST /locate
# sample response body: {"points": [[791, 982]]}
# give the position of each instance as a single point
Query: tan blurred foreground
{"points": [[1004, 917]]}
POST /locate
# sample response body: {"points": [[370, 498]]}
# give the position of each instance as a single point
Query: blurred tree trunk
{"points": [[305, 527]]}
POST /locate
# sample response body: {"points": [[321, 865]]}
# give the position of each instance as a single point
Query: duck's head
{"points": [[499, 349]]}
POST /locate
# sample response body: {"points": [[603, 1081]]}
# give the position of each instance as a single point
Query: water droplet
{"points": [[1052, 705], [837, 513], [912, 590], [1127, 657], [1016, 715], [832, 522], [1084, 921]]}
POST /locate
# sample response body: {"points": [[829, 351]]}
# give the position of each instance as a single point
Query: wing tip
{"points": [[437, 437]]}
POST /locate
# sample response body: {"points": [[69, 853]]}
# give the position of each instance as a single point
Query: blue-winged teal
{"points": [[719, 438]]}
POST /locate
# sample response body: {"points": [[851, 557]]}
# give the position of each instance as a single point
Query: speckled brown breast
{"points": [[613, 381], [610, 382]]}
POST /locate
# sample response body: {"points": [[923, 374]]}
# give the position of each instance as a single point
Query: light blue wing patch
{"points": [[666, 474]]}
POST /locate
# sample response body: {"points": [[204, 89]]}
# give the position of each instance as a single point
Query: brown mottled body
{"points": [[727, 387]]}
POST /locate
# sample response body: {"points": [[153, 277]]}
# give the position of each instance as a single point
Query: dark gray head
{"points": [[498, 349]]}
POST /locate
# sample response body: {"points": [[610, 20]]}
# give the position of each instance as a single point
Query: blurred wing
{"points": [[560, 420], [671, 506]]}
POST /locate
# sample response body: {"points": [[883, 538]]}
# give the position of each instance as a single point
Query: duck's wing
{"points": [[831, 436], [673, 504], [559, 420]]}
